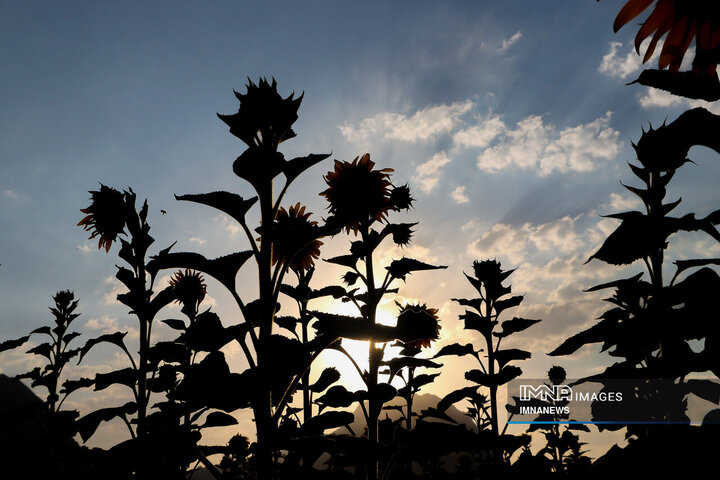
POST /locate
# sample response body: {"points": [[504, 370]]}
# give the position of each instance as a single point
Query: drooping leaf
{"points": [[44, 329], [401, 268], [293, 168], [421, 380], [114, 338], [287, 322], [479, 323], [334, 291], [43, 349], [345, 260], [398, 363], [337, 396], [616, 283], [126, 376], [88, 424], [328, 376], [230, 203], [223, 269], [355, 328], [457, 350], [501, 305], [456, 396], [169, 352], [596, 333], [509, 355], [501, 378], [175, 323], [70, 386], [326, 420], [385, 392], [219, 419], [513, 326], [432, 412], [206, 334]]}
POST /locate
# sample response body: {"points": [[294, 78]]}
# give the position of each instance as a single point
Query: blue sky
{"points": [[510, 120]]}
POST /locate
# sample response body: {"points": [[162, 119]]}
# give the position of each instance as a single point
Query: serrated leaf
{"points": [[10, 344], [501, 378], [401, 268], [515, 325], [457, 350], [503, 357], [227, 202], [223, 269]]}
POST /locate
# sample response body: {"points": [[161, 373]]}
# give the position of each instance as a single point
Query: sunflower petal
{"points": [[663, 11], [673, 42], [630, 10], [658, 35]]}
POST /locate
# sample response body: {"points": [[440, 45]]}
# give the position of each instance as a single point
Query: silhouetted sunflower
{"points": [[106, 216], [264, 117], [295, 239], [189, 288], [681, 20], [357, 193], [557, 375], [420, 324]]}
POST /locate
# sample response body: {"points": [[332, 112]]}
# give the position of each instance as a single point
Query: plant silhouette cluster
{"points": [[307, 423]]}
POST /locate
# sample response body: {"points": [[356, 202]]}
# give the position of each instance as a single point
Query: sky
{"points": [[511, 121]]}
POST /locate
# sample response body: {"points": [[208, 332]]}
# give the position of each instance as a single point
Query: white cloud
{"points": [[506, 44], [230, 225], [422, 125], [536, 145], [84, 248], [459, 195], [11, 194], [427, 174], [514, 243], [116, 287], [622, 203], [102, 324], [197, 240], [655, 98], [617, 65], [480, 135]]}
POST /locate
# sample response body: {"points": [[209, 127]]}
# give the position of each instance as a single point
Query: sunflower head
{"points": [[107, 215], [420, 324], [358, 194], [189, 288], [295, 239], [682, 21], [557, 375], [264, 117], [400, 198]]}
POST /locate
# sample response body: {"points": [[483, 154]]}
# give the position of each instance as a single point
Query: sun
{"points": [[358, 350]]}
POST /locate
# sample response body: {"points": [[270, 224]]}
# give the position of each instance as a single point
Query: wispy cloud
{"points": [[84, 248], [428, 174], [459, 195], [197, 240], [506, 44], [11, 194], [533, 144], [422, 125]]}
